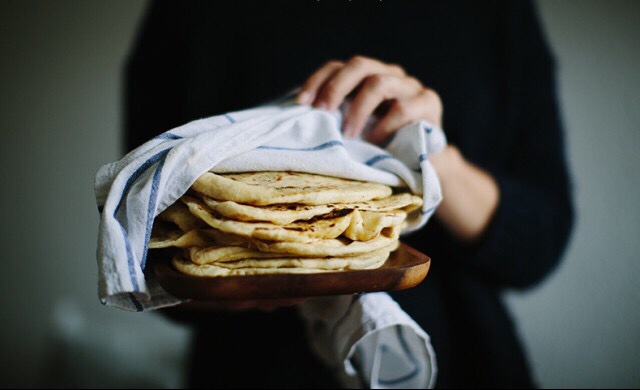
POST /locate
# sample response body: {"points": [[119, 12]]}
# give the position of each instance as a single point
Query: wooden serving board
{"points": [[405, 268]]}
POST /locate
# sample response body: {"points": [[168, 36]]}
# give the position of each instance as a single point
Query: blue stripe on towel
{"points": [[414, 361], [138, 172], [323, 146], [230, 118], [151, 208], [167, 136], [135, 302], [132, 269], [422, 158], [377, 158]]}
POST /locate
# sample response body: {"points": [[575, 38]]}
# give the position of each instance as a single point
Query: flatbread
{"points": [[225, 253], [279, 214], [282, 222], [163, 238], [205, 238], [366, 225], [210, 270], [369, 260], [365, 261], [264, 188], [283, 214], [179, 214], [339, 247], [330, 226]]}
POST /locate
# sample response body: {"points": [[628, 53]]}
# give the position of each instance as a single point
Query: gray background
{"points": [[60, 113]]}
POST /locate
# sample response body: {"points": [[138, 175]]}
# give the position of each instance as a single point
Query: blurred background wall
{"points": [[60, 118], [582, 326]]}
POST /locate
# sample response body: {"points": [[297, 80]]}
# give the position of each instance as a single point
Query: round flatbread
{"points": [[369, 260], [264, 188], [210, 270], [223, 254], [329, 226], [282, 214], [366, 225], [165, 238], [179, 214], [337, 247]]}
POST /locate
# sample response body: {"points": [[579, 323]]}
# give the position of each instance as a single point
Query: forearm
{"points": [[518, 222], [470, 195]]}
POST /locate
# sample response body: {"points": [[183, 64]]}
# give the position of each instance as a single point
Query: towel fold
{"points": [[370, 342]]}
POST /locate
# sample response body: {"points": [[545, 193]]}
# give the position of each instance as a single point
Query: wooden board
{"points": [[405, 268]]}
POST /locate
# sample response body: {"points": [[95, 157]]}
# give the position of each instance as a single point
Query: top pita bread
{"points": [[302, 231], [265, 188], [283, 214]]}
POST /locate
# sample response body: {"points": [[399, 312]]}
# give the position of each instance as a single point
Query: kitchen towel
{"points": [[373, 342], [130, 192]]}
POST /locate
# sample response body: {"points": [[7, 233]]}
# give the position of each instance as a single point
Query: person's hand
{"points": [[375, 87]]}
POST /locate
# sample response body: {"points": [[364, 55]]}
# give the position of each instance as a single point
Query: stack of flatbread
{"points": [[282, 222]]}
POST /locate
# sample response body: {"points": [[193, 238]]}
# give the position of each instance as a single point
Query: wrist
{"points": [[446, 162]]}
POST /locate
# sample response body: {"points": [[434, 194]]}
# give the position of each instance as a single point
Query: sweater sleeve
{"points": [[531, 226], [154, 75]]}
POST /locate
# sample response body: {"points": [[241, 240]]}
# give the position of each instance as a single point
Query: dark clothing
{"points": [[491, 65]]}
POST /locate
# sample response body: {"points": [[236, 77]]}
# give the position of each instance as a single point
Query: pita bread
{"points": [[365, 261], [209, 270], [279, 214], [369, 260], [366, 225], [164, 238], [283, 214], [330, 226], [179, 214], [229, 239], [338, 247], [264, 188], [222, 254], [209, 238]]}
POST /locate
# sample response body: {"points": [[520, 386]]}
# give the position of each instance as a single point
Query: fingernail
{"points": [[304, 98]]}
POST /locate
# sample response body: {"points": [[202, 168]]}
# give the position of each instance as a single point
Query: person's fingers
{"points": [[374, 90], [309, 90], [374, 83], [426, 105], [348, 77]]}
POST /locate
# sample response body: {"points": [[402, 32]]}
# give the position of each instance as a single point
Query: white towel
{"points": [[284, 136], [370, 342]]}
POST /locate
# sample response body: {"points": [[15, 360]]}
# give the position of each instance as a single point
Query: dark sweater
{"points": [[493, 69]]}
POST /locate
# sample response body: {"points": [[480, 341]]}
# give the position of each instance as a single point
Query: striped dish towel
{"points": [[369, 342], [133, 190], [372, 342]]}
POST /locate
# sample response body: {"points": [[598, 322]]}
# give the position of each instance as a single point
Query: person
{"points": [[483, 71]]}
